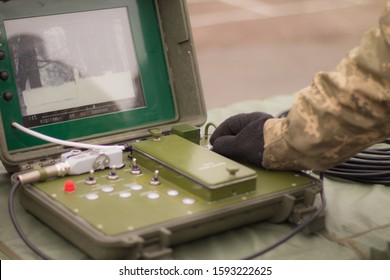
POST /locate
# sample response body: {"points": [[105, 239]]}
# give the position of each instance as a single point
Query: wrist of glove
{"points": [[240, 137]]}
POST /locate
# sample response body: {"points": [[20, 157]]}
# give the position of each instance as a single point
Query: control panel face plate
{"points": [[131, 202]]}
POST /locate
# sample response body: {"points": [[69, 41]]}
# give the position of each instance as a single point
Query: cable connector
{"points": [[75, 162], [81, 162], [57, 170]]}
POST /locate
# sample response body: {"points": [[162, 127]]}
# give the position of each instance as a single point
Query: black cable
{"points": [[371, 166], [297, 229], [23, 236]]}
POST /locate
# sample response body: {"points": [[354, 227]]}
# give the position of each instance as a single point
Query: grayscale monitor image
{"points": [[74, 65]]}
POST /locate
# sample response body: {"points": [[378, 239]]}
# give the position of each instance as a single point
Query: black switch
{"points": [[7, 96], [4, 75], [2, 55]]}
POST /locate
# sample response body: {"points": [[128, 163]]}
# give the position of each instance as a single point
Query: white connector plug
{"points": [[75, 162]]}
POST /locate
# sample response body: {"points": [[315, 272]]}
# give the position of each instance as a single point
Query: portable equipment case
{"points": [[123, 73]]}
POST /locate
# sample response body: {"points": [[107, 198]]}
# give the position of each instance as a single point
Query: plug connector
{"points": [[75, 162]]}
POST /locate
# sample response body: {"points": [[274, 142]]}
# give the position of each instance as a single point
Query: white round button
{"points": [[173, 192], [107, 189], [188, 201], [136, 187], [153, 195], [92, 196], [124, 194]]}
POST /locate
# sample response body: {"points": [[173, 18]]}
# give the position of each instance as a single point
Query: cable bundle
{"points": [[371, 166]]}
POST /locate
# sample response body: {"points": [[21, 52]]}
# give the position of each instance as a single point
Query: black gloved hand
{"points": [[240, 137]]}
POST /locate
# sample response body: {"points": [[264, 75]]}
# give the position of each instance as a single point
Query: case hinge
{"points": [[297, 209]]}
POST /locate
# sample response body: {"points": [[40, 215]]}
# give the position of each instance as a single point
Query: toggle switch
{"points": [[112, 175], [135, 169], [91, 180], [155, 180]]}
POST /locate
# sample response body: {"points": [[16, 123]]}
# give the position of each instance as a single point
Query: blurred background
{"points": [[254, 49]]}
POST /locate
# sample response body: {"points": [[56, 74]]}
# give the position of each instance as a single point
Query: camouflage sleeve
{"points": [[340, 114]]}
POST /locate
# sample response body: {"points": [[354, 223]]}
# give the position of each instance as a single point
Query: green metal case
{"points": [[171, 190]]}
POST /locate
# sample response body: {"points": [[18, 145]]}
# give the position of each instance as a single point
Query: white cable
{"points": [[63, 142]]}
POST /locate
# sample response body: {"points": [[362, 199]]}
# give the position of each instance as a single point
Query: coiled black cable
{"points": [[370, 166]]}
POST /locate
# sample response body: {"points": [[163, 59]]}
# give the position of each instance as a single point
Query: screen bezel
{"points": [[160, 104]]}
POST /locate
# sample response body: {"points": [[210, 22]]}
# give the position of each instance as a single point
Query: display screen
{"points": [[74, 65], [81, 70]]}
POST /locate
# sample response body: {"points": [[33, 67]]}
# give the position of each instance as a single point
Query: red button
{"points": [[69, 186]]}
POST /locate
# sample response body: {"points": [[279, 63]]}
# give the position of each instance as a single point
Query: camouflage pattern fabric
{"points": [[340, 114]]}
